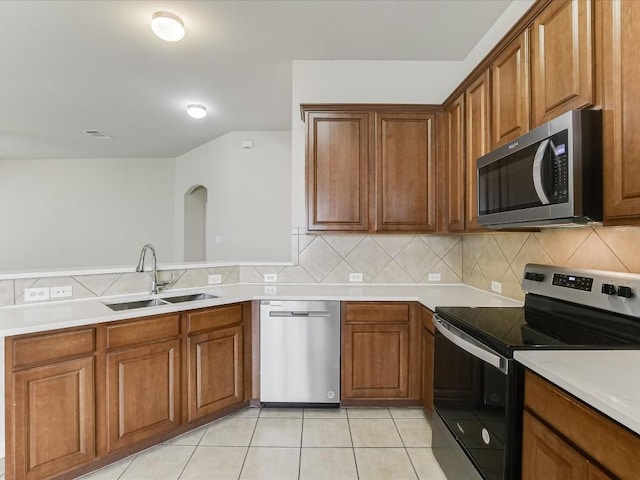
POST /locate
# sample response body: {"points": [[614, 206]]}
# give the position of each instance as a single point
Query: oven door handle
{"points": [[469, 345]]}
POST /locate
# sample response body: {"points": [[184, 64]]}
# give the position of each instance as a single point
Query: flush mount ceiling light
{"points": [[167, 26], [196, 110]]}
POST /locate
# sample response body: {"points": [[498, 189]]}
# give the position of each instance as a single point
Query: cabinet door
{"points": [[455, 165], [562, 59], [546, 455], [510, 92], [215, 371], [338, 169], [405, 172], [54, 419], [143, 392], [621, 69], [477, 142], [375, 361]]}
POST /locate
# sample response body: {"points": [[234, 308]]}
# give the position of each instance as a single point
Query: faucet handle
{"points": [[164, 283]]}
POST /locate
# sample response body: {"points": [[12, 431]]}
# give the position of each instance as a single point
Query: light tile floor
{"points": [[295, 444]]}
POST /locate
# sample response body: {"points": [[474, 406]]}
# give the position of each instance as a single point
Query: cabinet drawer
{"points": [[124, 334], [598, 436], [42, 348], [213, 318], [376, 312]]}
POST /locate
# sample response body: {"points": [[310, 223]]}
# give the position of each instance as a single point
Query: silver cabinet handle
{"points": [[471, 346], [537, 172]]}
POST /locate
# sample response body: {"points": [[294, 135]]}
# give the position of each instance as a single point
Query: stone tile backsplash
{"points": [[502, 256], [473, 259]]}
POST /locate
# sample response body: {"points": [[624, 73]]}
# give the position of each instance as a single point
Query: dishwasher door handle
{"points": [[290, 313]]}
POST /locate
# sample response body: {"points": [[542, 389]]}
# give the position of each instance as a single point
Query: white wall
{"points": [[379, 82], [249, 196], [82, 213]]}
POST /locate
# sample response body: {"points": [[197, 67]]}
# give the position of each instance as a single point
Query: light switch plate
{"points": [[215, 279], [61, 292], [35, 294], [270, 277], [355, 277], [496, 286]]}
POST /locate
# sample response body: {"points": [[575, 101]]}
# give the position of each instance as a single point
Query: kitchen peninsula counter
{"points": [[43, 316]]}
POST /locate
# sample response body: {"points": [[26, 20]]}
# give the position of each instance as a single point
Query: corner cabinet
{"points": [[370, 168], [80, 398], [620, 37], [380, 353], [565, 439], [454, 161]]}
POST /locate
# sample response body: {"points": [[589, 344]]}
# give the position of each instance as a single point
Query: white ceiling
{"points": [[71, 66]]}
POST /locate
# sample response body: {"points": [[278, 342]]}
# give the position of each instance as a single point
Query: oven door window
{"points": [[470, 396]]}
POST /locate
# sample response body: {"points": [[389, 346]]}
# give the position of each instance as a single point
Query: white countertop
{"points": [[605, 379], [20, 319]]}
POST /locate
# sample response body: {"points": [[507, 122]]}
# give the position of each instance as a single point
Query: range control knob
{"points": [[608, 289], [625, 292]]}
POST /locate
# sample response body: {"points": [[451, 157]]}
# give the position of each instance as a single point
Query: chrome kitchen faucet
{"points": [[155, 284]]}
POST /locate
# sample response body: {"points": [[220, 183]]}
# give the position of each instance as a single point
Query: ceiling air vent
{"points": [[97, 134]]}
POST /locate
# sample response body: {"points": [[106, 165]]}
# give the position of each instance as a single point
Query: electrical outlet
{"points": [[496, 286], [60, 292], [215, 279], [270, 289], [355, 277], [218, 240], [434, 277], [270, 277], [35, 294]]}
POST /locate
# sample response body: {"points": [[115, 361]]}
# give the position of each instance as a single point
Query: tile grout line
{"points": [[404, 445], [246, 454], [353, 447]]}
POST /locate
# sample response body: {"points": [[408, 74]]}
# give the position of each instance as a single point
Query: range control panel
{"points": [[613, 291]]}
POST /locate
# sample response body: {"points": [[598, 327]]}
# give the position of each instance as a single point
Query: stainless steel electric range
{"points": [[478, 387]]}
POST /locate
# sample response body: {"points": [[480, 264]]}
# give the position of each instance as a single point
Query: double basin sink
{"points": [[155, 302]]}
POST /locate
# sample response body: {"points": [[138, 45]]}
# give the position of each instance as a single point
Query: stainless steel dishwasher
{"points": [[299, 353]]}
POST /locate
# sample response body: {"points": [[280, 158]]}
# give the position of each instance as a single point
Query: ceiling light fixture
{"points": [[167, 26], [196, 110]]}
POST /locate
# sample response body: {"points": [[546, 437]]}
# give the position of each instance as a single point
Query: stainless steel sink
{"points": [[189, 298], [137, 304]]}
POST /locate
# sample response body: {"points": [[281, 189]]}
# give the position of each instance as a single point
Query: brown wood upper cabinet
{"points": [[454, 165], [510, 92], [356, 150], [620, 37], [339, 157], [477, 142], [562, 59]]}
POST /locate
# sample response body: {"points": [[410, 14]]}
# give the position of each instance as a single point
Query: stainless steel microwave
{"points": [[550, 176]]}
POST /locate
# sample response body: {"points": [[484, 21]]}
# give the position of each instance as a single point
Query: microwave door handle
{"points": [[537, 172], [471, 348]]}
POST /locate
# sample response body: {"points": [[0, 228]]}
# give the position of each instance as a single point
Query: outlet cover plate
{"points": [[36, 294], [215, 279], [496, 286], [435, 277], [61, 292], [270, 289], [270, 277], [356, 277]]}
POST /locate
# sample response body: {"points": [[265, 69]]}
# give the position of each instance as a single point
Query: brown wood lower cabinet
{"points": [[565, 439], [143, 392], [380, 353], [80, 398]]}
